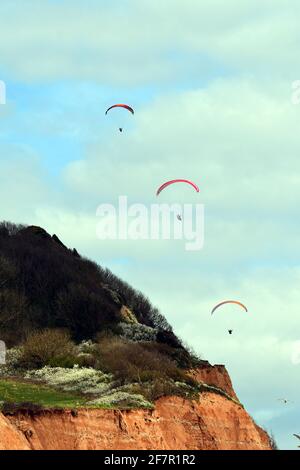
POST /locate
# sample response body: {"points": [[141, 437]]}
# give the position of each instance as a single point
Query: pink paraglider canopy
{"points": [[168, 183]]}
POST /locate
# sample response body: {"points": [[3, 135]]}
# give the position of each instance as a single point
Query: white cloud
{"points": [[236, 139], [21, 182], [147, 41]]}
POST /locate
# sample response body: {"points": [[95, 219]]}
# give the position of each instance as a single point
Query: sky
{"points": [[211, 83]]}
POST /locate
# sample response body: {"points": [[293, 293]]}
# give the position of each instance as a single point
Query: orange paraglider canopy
{"points": [[229, 302]]}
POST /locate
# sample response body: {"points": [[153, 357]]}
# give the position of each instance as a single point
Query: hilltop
{"points": [[44, 284]]}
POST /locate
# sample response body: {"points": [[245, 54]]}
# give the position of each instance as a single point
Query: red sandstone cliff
{"points": [[11, 438], [216, 376], [212, 422]]}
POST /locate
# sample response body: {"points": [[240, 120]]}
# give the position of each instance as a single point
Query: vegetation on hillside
{"points": [[24, 394], [45, 285], [77, 334], [112, 372]]}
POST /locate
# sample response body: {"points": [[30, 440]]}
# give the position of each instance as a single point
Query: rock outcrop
{"points": [[216, 376], [212, 422]]}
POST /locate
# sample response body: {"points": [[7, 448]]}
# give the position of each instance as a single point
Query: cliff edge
{"points": [[211, 422]]}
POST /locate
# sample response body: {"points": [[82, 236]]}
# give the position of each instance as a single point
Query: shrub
{"points": [[180, 356], [10, 368], [137, 332], [119, 399], [273, 442], [161, 388], [134, 362], [85, 354], [86, 360], [81, 380], [190, 358], [51, 347], [10, 408], [86, 347]]}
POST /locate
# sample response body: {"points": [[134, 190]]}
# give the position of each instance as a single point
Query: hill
{"points": [[90, 355], [44, 284]]}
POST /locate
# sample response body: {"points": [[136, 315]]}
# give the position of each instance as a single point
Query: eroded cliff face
{"points": [[216, 375], [11, 438], [211, 422]]}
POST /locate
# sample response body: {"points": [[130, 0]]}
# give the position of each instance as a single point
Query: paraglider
{"points": [[229, 302], [168, 183], [125, 106]]}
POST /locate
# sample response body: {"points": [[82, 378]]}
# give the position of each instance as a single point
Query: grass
{"points": [[16, 391], [12, 391]]}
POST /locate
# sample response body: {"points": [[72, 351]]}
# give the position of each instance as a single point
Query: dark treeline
{"points": [[43, 284]]}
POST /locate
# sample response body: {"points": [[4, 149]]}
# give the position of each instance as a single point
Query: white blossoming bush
{"points": [[10, 367], [86, 354], [3, 371], [82, 380], [90, 381], [86, 347], [12, 356], [122, 400], [137, 332]]}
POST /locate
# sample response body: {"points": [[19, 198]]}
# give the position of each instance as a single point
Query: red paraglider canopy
{"points": [[168, 183], [120, 106]]}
